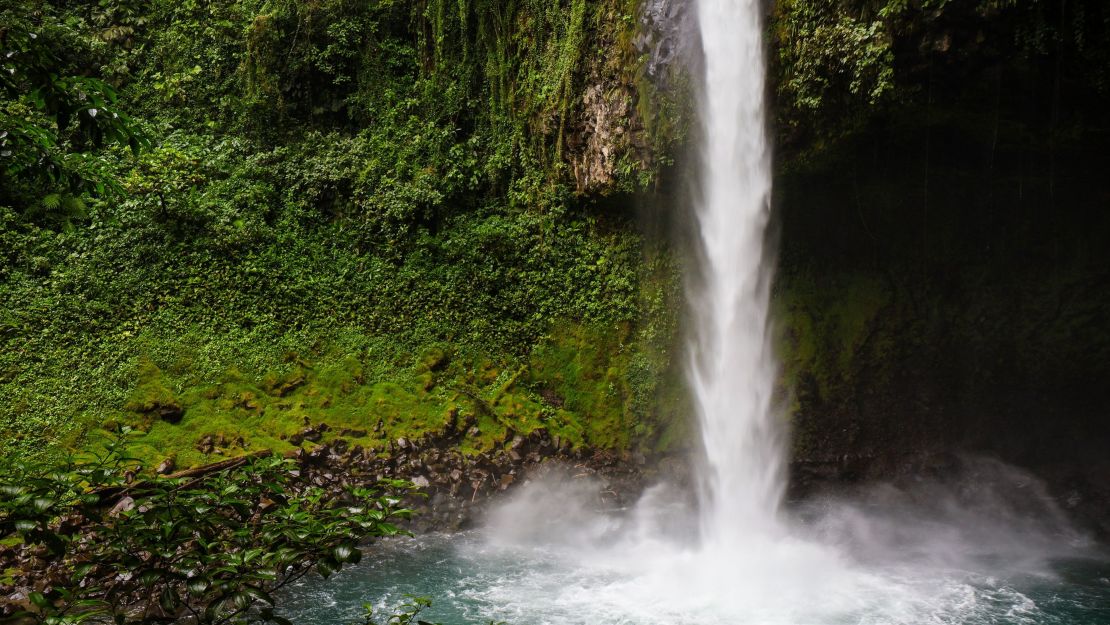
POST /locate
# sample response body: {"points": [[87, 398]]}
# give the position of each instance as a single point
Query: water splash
{"points": [[986, 546]]}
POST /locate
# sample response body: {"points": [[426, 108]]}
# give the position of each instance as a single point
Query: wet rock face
{"points": [[667, 37], [605, 131], [610, 136], [455, 488]]}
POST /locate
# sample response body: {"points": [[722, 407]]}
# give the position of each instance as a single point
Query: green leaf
{"points": [[148, 578], [81, 571], [345, 553], [213, 609], [259, 594], [169, 600], [39, 600]]}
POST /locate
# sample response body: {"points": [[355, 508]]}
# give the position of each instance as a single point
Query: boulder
{"points": [[170, 413], [206, 444], [283, 389]]}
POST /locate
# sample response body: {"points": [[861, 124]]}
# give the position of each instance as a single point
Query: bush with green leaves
{"points": [[105, 542], [56, 114]]}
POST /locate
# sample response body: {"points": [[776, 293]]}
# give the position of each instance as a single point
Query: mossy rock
{"points": [[152, 398]]}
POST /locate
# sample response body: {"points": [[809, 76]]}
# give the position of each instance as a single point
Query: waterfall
{"points": [[731, 368], [950, 554]]}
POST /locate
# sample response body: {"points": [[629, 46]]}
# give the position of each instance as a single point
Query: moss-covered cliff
{"points": [[322, 195]]}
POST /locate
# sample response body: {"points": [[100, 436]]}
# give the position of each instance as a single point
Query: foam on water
{"points": [[987, 547], [962, 550], [884, 556]]}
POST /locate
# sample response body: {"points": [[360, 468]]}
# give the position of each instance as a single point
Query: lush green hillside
{"points": [[335, 211]]}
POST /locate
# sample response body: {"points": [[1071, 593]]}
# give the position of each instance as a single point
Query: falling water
{"points": [[732, 370]]}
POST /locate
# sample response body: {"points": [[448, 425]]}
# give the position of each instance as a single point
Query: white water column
{"points": [[732, 368]]}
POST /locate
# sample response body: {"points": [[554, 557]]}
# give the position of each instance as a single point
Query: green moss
{"points": [[823, 325], [152, 397], [576, 385], [582, 369]]}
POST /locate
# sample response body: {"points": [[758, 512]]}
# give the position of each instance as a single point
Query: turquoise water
{"points": [[991, 548], [472, 581]]}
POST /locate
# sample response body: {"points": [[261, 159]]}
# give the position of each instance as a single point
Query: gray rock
{"points": [[167, 466], [667, 36], [171, 413], [125, 504]]}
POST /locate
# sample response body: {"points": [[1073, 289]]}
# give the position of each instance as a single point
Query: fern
{"points": [[52, 202]]}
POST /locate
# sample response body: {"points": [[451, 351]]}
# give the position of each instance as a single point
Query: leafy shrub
{"points": [[212, 548], [55, 115]]}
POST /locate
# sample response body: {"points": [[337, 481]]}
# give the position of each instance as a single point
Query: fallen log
{"points": [[216, 467], [110, 496]]}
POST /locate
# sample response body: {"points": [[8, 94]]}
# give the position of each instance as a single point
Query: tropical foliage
{"points": [[330, 181], [113, 544]]}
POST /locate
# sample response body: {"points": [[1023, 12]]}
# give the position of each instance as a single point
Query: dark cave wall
{"points": [[943, 284]]}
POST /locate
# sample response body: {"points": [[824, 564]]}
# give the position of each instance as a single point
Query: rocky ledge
{"points": [[455, 487]]}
